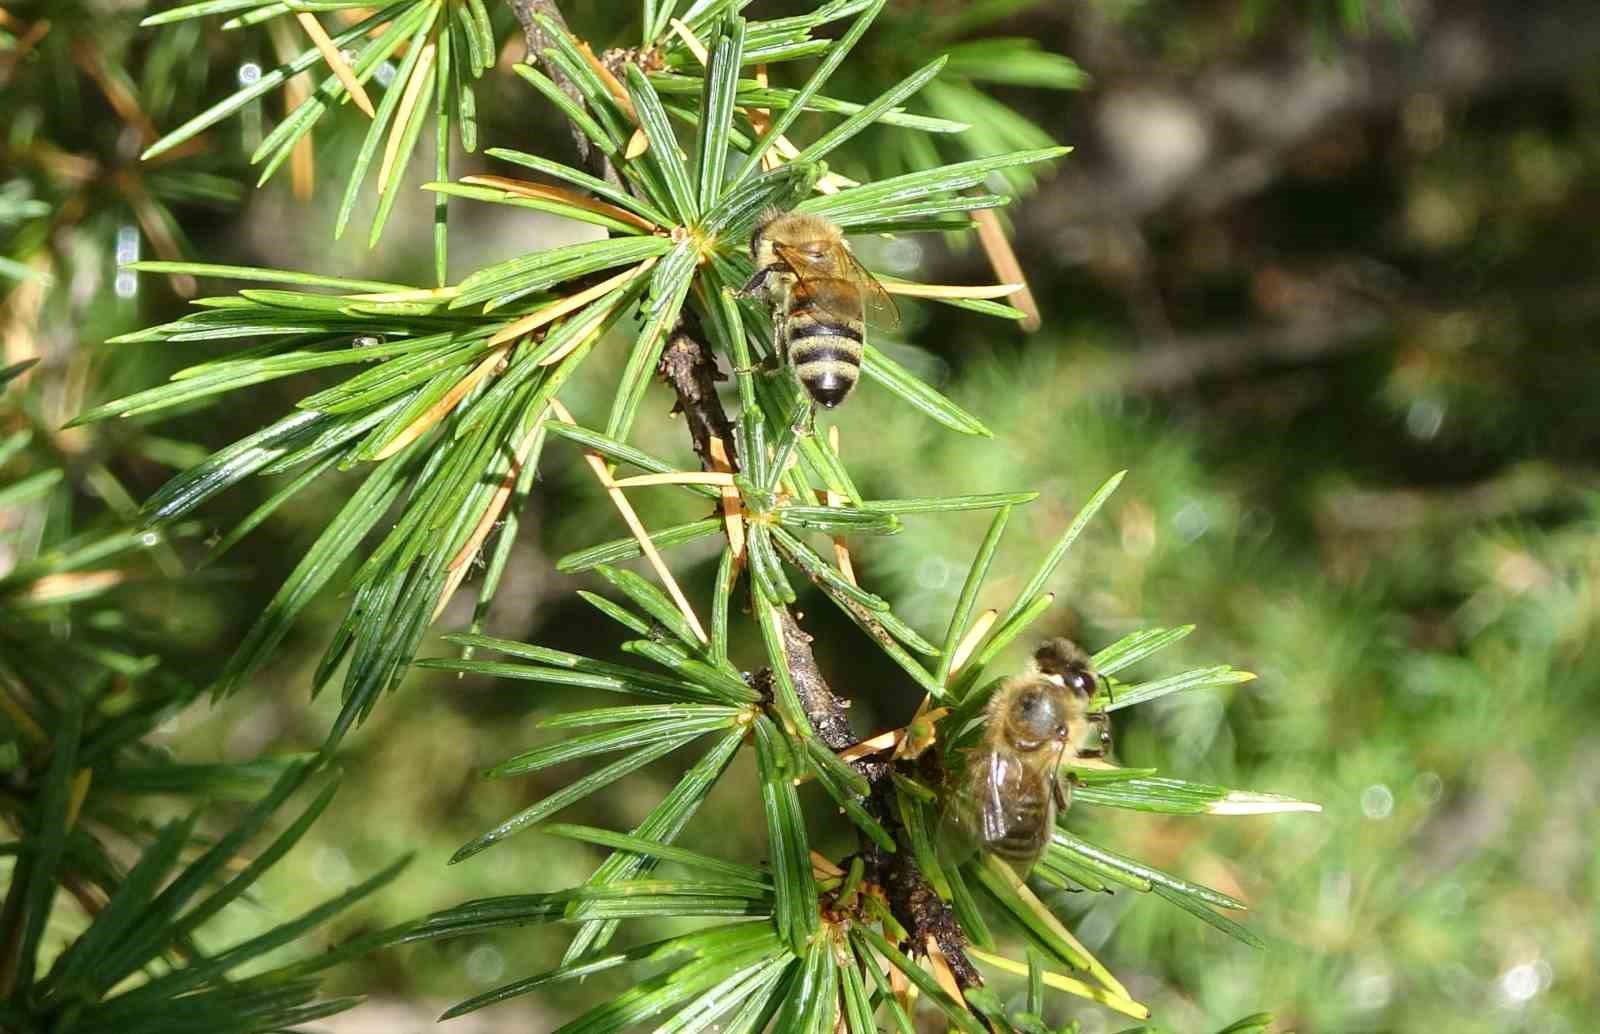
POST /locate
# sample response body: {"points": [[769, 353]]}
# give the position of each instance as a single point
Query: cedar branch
{"points": [[688, 367], [537, 42]]}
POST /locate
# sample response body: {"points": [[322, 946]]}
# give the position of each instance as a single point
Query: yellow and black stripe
{"points": [[823, 346], [1030, 819], [803, 262]]}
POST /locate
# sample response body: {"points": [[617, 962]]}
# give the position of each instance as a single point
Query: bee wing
{"points": [[830, 280], [987, 803], [994, 803], [968, 811], [881, 308]]}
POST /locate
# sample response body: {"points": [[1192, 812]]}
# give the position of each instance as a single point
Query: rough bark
{"points": [[689, 368], [537, 40]]}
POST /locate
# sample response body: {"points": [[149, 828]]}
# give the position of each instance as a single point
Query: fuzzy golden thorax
{"points": [[807, 238], [1035, 714]]}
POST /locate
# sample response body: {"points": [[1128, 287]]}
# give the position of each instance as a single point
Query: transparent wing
{"points": [[987, 800], [840, 284], [961, 824], [881, 308]]}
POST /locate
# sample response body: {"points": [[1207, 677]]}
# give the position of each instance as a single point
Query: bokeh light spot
{"points": [[485, 964], [1377, 801]]}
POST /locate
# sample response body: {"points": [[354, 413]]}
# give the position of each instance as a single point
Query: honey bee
{"points": [[1009, 794], [821, 295]]}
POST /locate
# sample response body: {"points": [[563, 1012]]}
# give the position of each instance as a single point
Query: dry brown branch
{"points": [[1004, 260], [537, 42], [688, 367]]}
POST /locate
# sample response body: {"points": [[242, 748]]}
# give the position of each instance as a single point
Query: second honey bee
{"points": [[821, 297], [1010, 792]]}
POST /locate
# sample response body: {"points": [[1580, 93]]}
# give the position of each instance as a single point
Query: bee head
{"points": [[766, 219], [1038, 715], [1064, 662]]}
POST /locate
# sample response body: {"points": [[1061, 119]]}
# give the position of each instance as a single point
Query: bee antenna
{"points": [[1105, 681]]}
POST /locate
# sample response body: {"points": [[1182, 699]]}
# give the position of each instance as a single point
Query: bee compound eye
{"points": [[1082, 682]]}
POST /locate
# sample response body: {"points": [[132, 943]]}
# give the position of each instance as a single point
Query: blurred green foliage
{"points": [[104, 922]]}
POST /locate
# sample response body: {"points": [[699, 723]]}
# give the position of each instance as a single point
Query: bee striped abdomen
{"points": [[1032, 817], [1006, 804], [824, 348]]}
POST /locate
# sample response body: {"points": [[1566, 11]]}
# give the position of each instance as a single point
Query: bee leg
{"points": [[780, 341], [1060, 794], [757, 283], [805, 418], [1101, 751]]}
